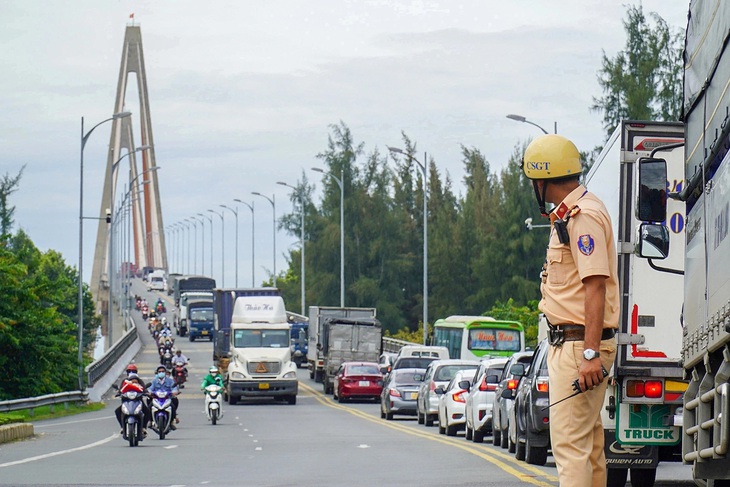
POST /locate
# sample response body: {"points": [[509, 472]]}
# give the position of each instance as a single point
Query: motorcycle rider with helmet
{"points": [[212, 378], [166, 383], [180, 359], [133, 383]]}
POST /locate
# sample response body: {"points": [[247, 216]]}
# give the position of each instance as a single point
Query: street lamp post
{"points": [[235, 212], [84, 139], [250, 207], [187, 229], [301, 203], [110, 212], [223, 255], [273, 206], [195, 222], [202, 244], [210, 219], [340, 182], [424, 169], [520, 118]]}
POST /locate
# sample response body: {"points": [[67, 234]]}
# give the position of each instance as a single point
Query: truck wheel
{"points": [[232, 400], [292, 400], [311, 373], [643, 477], [616, 477], [191, 338]]}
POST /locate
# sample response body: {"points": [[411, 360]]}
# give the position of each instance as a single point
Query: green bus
{"points": [[478, 337]]}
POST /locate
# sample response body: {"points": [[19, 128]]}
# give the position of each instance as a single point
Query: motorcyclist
{"points": [[132, 383], [180, 359], [162, 382], [212, 378]]}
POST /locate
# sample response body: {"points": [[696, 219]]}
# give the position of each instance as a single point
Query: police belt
{"points": [[557, 334]]}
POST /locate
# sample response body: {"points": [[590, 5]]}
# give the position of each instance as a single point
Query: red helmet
{"points": [[131, 369]]}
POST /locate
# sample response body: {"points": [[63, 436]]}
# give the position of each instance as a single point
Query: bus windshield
{"points": [[494, 339]]}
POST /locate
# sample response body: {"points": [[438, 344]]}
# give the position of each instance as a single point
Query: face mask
{"points": [[160, 375], [214, 374]]}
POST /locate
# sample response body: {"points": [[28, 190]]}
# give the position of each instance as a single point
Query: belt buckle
{"points": [[556, 336]]}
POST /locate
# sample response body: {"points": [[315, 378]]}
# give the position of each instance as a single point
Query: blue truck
{"points": [[299, 337], [200, 319]]}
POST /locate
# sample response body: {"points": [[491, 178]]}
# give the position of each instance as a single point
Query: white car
{"points": [[438, 373], [480, 397], [452, 403]]}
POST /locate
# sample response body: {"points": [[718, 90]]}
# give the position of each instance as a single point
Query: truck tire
{"points": [[311, 372], [232, 400], [292, 400], [191, 338], [643, 477]]}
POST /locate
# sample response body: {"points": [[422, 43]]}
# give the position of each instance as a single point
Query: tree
{"points": [[643, 81], [8, 185]]}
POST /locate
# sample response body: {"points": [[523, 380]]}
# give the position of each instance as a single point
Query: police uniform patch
{"points": [[586, 244]]}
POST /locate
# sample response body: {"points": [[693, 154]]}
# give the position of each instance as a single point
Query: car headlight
{"points": [[290, 375]]}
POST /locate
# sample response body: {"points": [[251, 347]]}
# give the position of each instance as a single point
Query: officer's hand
{"points": [[590, 374]]}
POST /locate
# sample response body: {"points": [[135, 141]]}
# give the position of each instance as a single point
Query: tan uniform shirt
{"points": [[590, 252]]}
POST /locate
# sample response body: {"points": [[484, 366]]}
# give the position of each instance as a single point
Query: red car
{"points": [[358, 380]]}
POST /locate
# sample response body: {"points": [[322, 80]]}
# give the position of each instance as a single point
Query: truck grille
{"points": [[264, 368]]}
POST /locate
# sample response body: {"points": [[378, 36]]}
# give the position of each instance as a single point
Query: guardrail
{"points": [[49, 399], [393, 344], [94, 371]]}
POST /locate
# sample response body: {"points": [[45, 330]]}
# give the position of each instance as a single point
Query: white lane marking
{"points": [[258, 448], [363, 446], [170, 447], [61, 452], [205, 482], [36, 425], [255, 441]]}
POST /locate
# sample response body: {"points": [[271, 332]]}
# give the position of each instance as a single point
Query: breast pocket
{"points": [[557, 261]]}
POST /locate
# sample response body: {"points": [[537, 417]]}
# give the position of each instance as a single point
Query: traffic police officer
{"points": [[580, 300]]}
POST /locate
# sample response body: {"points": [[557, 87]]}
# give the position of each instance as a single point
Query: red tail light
{"points": [[542, 384], [653, 389], [459, 396], [512, 384], [394, 393], [485, 386]]}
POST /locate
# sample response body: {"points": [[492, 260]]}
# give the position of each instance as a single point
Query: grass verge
{"points": [[48, 412]]}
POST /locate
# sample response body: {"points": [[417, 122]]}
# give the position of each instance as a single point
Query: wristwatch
{"points": [[589, 354]]}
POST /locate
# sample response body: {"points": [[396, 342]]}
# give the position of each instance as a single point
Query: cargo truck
{"points": [[260, 358], [348, 340], [705, 325], [646, 384], [317, 316], [199, 317], [299, 337]]}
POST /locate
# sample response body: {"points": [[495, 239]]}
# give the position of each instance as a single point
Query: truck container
{"points": [[348, 340], [192, 283], [705, 324], [260, 358], [637, 427], [317, 316]]}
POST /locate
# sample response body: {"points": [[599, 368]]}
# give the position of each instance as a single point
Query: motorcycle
{"points": [[166, 358], [161, 309], [132, 416], [161, 409], [178, 374], [145, 312], [214, 403]]}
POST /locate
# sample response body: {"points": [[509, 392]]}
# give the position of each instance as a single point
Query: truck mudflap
{"points": [[628, 456], [253, 388]]}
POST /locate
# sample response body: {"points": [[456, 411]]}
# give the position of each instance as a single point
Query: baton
{"points": [[576, 388]]}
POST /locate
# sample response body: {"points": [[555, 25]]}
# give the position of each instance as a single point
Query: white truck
{"points": [[260, 355], [180, 316], [705, 338], [157, 280], [646, 384], [317, 317]]}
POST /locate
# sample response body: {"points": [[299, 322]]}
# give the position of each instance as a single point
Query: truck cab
{"points": [[260, 355], [180, 318], [200, 318]]}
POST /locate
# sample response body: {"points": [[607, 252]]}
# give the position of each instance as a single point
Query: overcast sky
{"points": [[242, 94]]}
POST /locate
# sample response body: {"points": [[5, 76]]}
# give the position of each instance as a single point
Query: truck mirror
{"points": [[653, 241], [652, 198]]}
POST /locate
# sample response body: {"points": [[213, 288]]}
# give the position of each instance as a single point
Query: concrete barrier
{"points": [[15, 431]]}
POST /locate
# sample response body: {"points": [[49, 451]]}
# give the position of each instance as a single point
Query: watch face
{"points": [[590, 354]]}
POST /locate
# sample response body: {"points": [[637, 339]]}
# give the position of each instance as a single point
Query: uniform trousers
{"points": [[576, 430]]}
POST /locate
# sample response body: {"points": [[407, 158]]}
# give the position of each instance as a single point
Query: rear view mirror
{"points": [[652, 198], [517, 370], [507, 394], [492, 379], [465, 384], [439, 390], [653, 241]]}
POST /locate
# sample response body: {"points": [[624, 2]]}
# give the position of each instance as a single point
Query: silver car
{"points": [[400, 392], [438, 373], [503, 405], [480, 398]]}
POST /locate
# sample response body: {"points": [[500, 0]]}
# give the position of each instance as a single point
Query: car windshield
{"points": [[447, 372], [413, 362], [261, 338], [362, 370]]}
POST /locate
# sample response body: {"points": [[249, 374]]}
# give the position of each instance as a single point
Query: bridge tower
{"points": [[148, 229]]}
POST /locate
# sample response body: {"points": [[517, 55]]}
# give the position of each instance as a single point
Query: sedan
{"points": [[480, 398], [400, 393], [358, 380], [503, 405], [452, 404]]}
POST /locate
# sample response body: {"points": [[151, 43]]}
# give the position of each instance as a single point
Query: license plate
{"points": [[264, 385], [204, 332], [364, 383], [414, 395]]}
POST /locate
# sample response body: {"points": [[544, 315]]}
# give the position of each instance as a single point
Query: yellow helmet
{"points": [[551, 156]]}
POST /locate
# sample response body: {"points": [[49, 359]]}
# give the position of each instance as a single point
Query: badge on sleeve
{"points": [[586, 244]]}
